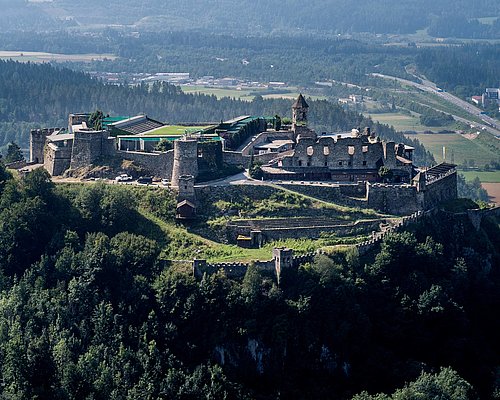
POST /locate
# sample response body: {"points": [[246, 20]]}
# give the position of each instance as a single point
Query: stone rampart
{"points": [[257, 192], [392, 198], [57, 158], [87, 148], [440, 189], [238, 270], [377, 237], [278, 229], [351, 195], [234, 158], [158, 164], [37, 143]]}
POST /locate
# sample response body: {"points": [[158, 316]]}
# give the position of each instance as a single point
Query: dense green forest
{"points": [[41, 95], [261, 16], [88, 310], [302, 60], [466, 70]]}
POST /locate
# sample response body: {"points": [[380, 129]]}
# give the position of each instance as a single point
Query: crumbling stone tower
{"points": [[37, 143], [299, 112], [283, 259], [185, 159]]}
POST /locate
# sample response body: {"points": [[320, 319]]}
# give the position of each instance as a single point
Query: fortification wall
{"points": [[351, 195], [257, 192], [289, 229], [87, 148], [393, 199], [238, 270], [158, 164], [37, 143], [57, 159], [442, 189], [234, 158], [378, 237]]}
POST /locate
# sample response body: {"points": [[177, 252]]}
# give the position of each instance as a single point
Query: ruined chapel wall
{"points": [[344, 153]]}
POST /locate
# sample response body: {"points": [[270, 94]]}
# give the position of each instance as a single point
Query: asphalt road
{"points": [[490, 124]]}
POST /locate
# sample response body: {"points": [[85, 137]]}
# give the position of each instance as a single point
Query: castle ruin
{"points": [[381, 174]]}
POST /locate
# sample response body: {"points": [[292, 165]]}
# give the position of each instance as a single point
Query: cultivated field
{"points": [[493, 190], [246, 94], [461, 148], [484, 176], [404, 122], [34, 56]]}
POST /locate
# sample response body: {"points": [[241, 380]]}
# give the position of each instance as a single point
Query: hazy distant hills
{"points": [[255, 16]]}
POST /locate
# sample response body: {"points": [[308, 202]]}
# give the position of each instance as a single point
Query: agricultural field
{"points": [[493, 190], [39, 57], [459, 148], [243, 94], [484, 176], [404, 122], [247, 94]]}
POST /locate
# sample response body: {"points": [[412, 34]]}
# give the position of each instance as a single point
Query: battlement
{"points": [[378, 237], [283, 259]]}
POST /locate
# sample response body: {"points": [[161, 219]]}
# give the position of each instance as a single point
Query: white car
{"points": [[165, 182], [124, 178]]}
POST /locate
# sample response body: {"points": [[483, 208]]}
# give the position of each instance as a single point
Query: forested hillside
{"points": [[41, 95], [269, 16], [88, 309]]}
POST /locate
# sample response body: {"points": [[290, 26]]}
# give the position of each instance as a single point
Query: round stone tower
{"points": [[185, 159]]}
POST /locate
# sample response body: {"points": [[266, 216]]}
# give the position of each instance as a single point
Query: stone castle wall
{"points": [[37, 143], [88, 147], [158, 164], [393, 199], [57, 158], [312, 228], [441, 189], [238, 270], [378, 237], [351, 195], [234, 158]]}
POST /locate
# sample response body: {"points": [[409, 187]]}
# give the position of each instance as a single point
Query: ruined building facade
{"points": [[287, 153]]}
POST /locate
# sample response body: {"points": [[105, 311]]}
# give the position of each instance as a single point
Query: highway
{"points": [[490, 124]]}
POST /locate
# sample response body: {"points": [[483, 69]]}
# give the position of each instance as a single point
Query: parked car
{"points": [[147, 180], [165, 182], [124, 178]]}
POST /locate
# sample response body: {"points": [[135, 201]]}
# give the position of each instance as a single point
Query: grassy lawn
{"points": [[176, 130], [180, 244], [484, 176], [462, 148]]}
